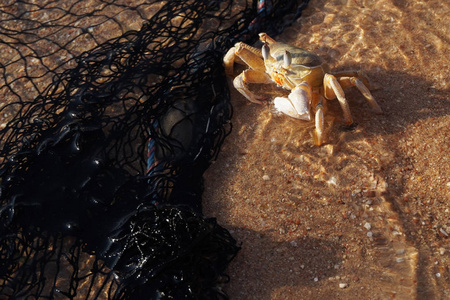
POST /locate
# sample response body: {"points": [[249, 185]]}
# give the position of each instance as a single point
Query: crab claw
{"points": [[298, 104]]}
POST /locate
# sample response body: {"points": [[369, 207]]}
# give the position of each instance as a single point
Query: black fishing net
{"points": [[110, 113]]}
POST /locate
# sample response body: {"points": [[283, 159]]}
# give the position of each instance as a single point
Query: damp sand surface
{"points": [[367, 215]]}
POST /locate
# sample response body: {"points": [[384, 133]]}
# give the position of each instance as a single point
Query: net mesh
{"points": [[111, 112]]}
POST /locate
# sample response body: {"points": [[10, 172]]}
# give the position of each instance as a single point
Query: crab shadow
{"points": [[404, 98]]}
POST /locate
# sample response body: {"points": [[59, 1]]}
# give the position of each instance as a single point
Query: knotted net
{"points": [[111, 112]]}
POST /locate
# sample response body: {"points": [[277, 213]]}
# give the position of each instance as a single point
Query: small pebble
{"points": [[443, 232], [332, 180], [316, 279], [438, 275], [367, 226], [266, 177], [369, 234], [343, 285]]}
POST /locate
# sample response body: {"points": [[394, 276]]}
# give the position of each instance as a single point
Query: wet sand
{"points": [[367, 215]]}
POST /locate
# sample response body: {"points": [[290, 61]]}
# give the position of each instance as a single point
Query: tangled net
{"points": [[103, 152]]}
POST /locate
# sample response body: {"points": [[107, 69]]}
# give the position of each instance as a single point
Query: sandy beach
{"points": [[367, 215]]}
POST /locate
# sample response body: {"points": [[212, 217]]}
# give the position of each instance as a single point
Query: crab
{"points": [[303, 73]]}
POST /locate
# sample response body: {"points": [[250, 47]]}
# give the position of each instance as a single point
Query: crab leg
{"points": [[332, 89], [366, 93], [354, 81], [266, 39], [250, 76], [228, 60], [360, 81], [243, 54], [319, 120], [251, 56]]}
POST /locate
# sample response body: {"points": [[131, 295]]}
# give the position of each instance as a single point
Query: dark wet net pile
{"points": [[103, 152]]}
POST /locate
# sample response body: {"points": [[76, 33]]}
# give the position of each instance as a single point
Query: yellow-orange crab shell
{"points": [[305, 66]]}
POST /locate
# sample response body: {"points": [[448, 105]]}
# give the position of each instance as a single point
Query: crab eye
{"points": [[287, 59], [265, 51]]}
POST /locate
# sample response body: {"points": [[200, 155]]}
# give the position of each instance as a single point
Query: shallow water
{"points": [[366, 215]]}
